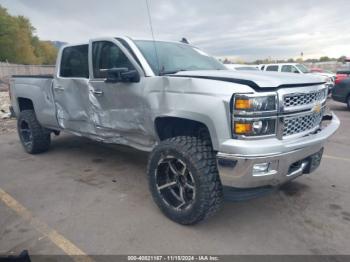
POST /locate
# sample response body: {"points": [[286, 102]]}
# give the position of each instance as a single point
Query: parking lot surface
{"points": [[94, 197]]}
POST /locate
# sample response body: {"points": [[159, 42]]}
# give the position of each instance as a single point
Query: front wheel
{"points": [[34, 138], [184, 180]]}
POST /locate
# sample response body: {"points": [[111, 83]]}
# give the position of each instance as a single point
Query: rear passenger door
{"points": [[71, 91]]}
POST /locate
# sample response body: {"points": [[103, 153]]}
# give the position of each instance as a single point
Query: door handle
{"points": [[97, 92], [60, 88]]}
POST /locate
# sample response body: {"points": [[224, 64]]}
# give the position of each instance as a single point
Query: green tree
{"points": [[342, 59], [325, 59], [18, 43]]}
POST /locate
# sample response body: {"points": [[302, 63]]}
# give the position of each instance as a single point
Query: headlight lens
{"points": [[254, 127], [255, 104]]}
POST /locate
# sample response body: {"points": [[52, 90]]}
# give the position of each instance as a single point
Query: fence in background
{"points": [[331, 66], [7, 69]]}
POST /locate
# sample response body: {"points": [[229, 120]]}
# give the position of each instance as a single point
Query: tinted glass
{"points": [[107, 55], [174, 57], [126, 45], [272, 68], [287, 68], [303, 68], [74, 62]]}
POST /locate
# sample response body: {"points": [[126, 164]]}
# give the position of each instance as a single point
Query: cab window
{"points": [[272, 68], [287, 68], [295, 70], [74, 62], [107, 55]]}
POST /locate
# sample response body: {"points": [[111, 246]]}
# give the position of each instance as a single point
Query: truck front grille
{"points": [[297, 124], [303, 99]]}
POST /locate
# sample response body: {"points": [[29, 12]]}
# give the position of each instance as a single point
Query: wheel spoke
{"points": [[182, 197], [188, 185], [167, 185], [175, 183], [172, 168], [183, 171], [181, 205]]}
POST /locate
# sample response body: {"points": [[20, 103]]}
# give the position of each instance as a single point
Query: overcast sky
{"points": [[248, 29]]}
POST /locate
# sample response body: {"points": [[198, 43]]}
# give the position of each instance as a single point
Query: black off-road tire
{"points": [[34, 138], [200, 160]]}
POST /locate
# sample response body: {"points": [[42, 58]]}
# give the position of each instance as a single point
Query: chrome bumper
{"points": [[236, 162]]}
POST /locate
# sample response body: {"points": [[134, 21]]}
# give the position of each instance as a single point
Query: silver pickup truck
{"points": [[206, 127]]}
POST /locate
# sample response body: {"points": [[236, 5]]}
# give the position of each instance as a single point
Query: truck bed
{"points": [[34, 92]]}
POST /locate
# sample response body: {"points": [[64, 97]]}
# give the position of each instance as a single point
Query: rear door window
{"points": [[272, 68], [75, 62]]}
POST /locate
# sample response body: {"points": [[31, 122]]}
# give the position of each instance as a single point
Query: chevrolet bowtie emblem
{"points": [[317, 108]]}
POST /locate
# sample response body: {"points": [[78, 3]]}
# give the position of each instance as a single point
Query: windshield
{"points": [[303, 68], [175, 57]]}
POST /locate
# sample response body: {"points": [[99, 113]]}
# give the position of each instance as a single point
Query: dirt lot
{"points": [[86, 197]]}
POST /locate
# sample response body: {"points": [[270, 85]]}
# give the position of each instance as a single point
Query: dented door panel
{"points": [[118, 112], [73, 104]]}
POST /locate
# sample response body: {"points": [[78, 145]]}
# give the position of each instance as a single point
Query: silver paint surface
{"points": [[125, 113]]}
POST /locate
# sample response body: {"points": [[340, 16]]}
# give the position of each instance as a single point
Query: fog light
{"points": [[261, 169]]}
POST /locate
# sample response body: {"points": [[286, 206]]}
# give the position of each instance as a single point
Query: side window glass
{"points": [[74, 62], [287, 68], [295, 70], [272, 68], [106, 55]]}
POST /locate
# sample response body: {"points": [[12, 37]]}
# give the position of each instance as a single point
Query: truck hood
{"points": [[256, 79]]}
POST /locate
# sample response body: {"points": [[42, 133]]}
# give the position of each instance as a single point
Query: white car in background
{"points": [[242, 67], [297, 69]]}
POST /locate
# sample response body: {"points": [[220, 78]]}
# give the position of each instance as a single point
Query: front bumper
{"points": [[236, 161]]}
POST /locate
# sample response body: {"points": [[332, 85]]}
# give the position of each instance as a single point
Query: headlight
{"points": [[256, 104], [254, 115], [254, 127]]}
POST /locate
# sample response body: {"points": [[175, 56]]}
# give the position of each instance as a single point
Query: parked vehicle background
{"points": [[341, 75], [341, 92], [242, 67], [298, 68], [323, 72]]}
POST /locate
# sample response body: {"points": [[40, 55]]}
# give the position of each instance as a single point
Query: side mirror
{"points": [[121, 74]]}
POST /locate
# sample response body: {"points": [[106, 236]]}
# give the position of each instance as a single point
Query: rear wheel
{"points": [[184, 180], [34, 138]]}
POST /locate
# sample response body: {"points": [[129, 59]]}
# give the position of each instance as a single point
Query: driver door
{"points": [[117, 107]]}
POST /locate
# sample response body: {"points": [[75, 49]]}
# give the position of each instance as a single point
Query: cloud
{"points": [[246, 29]]}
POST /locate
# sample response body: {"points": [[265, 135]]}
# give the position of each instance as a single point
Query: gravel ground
{"points": [[7, 125]]}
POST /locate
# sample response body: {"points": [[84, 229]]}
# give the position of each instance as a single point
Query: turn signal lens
{"points": [[256, 104], [242, 104], [255, 127], [243, 128]]}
